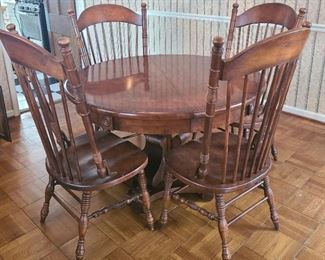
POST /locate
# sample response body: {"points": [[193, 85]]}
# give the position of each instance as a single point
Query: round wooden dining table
{"points": [[162, 95], [158, 94]]}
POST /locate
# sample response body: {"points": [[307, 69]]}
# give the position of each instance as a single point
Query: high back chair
{"points": [[253, 25], [258, 23], [108, 32], [88, 162], [224, 162]]}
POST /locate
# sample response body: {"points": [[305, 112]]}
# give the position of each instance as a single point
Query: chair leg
{"points": [[48, 195], [166, 199], [223, 226], [274, 152], [83, 224], [146, 200], [270, 199]]}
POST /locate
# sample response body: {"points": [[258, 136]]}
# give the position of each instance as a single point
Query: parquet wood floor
{"points": [[298, 181]]}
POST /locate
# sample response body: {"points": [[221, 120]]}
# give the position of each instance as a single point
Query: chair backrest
{"points": [[258, 23], [108, 32], [33, 66], [244, 158]]}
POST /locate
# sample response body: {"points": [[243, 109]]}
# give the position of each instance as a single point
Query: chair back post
{"points": [[230, 37], [216, 63], [301, 17], [75, 87], [11, 28], [83, 55], [144, 28]]}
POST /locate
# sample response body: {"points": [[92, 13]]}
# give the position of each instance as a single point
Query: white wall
{"points": [[6, 77]]}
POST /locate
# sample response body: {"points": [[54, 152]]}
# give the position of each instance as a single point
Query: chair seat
{"points": [[248, 121], [124, 160], [183, 162]]}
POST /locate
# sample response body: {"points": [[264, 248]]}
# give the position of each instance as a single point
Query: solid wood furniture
{"points": [[253, 25], [155, 95], [224, 162], [187, 236], [109, 32], [89, 162]]}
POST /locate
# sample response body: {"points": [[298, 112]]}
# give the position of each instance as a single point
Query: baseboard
{"points": [[304, 113]]}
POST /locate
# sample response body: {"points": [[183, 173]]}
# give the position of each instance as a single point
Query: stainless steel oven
{"points": [[32, 18]]}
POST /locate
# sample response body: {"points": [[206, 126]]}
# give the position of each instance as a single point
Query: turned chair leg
{"points": [[223, 226], [83, 224], [146, 200], [270, 199], [166, 199], [48, 195], [274, 152]]}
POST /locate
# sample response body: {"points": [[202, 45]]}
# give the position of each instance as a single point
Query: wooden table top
{"points": [[157, 88]]}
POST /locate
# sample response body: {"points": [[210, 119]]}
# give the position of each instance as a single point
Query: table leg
{"points": [[156, 148]]}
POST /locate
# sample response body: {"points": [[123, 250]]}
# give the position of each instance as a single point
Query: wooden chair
{"points": [[253, 25], [224, 162], [100, 36], [89, 162], [108, 32]]}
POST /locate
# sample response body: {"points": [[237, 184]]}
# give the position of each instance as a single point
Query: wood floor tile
{"points": [[295, 225], [307, 161], [321, 172], [16, 179], [32, 245], [121, 225], [308, 254], [10, 164], [13, 226], [27, 194], [317, 241], [98, 245], [181, 224], [244, 253], [59, 226], [182, 253], [7, 206], [316, 185], [118, 253], [150, 245], [282, 191], [306, 203], [291, 174], [206, 242], [273, 245], [38, 169], [55, 255]]}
